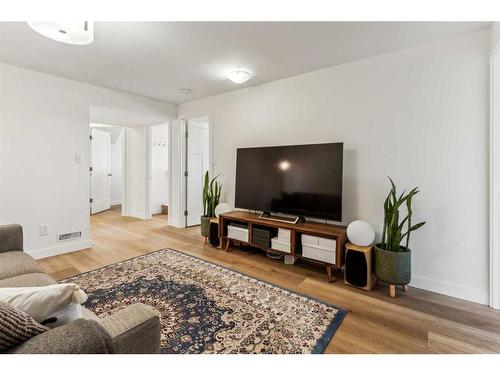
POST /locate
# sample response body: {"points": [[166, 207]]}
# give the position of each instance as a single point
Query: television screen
{"points": [[302, 180]]}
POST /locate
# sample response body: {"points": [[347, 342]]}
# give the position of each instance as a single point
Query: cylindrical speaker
{"points": [[358, 266], [214, 234]]}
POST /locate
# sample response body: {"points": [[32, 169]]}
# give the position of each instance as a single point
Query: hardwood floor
{"points": [[416, 322]]}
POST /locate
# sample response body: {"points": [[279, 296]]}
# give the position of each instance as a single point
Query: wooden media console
{"points": [[302, 237]]}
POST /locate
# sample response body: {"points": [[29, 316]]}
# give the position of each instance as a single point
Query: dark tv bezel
{"points": [[308, 215]]}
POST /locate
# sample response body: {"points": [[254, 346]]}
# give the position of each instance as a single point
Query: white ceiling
{"points": [[156, 59]]}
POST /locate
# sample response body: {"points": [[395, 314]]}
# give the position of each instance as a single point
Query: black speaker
{"points": [[214, 234], [358, 266]]}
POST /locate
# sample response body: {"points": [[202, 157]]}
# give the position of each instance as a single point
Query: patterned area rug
{"points": [[206, 308]]}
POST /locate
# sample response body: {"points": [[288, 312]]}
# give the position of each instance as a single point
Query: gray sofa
{"points": [[134, 329]]}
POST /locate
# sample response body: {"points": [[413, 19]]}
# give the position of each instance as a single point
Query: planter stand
{"points": [[392, 290]]}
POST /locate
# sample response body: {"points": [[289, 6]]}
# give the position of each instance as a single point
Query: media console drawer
{"points": [[317, 253], [237, 233], [281, 245], [322, 242]]}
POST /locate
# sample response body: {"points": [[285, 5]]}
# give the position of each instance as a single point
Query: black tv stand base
{"points": [[284, 219]]}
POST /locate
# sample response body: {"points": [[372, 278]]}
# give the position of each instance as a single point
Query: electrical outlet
{"points": [[44, 230]]}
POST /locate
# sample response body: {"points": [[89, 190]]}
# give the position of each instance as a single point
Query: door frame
{"points": [[494, 269], [147, 166], [185, 117]]}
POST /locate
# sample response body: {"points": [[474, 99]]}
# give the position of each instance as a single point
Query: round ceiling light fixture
{"points": [[239, 76], [71, 32], [185, 91]]}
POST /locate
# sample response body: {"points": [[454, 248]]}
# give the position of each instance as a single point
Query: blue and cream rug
{"points": [[206, 308]]}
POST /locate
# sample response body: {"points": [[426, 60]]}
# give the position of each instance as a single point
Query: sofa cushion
{"points": [[89, 315], [11, 238], [14, 263], [16, 327], [78, 337], [28, 279]]}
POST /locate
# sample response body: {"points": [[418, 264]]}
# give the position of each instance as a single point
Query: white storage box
{"points": [[309, 240], [317, 253], [322, 242], [284, 246], [327, 243], [284, 234], [237, 233]]}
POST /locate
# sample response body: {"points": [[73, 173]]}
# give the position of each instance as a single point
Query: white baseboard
{"points": [[453, 290], [116, 203], [60, 249], [136, 214], [155, 211]]}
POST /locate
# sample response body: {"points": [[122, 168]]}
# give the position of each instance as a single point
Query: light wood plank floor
{"points": [[416, 322]]}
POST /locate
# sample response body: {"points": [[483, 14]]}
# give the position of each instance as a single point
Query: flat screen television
{"points": [[301, 180]]}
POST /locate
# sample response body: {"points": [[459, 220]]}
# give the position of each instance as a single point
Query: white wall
{"points": [[44, 122], [136, 170], [419, 115], [159, 167]]}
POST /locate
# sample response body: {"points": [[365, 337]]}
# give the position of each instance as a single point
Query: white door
{"points": [[197, 165], [99, 175]]}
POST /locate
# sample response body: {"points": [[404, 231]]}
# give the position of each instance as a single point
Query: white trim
{"points": [[115, 203], [60, 249], [138, 215], [155, 211], [148, 174], [170, 140], [494, 193], [124, 170], [454, 290]]}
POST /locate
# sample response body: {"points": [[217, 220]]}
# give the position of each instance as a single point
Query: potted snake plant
{"points": [[392, 254], [211, 196]]}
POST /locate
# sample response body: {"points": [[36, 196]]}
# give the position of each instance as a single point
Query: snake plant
{"points": [[211, 195], [392, 234]]}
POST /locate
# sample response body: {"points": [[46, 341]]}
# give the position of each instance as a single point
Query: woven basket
{"points": [[205, 226], [393, 267]]}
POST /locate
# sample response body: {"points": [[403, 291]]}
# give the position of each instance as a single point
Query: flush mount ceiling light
{"points": [[70, 32], [239, 76], [185, 91]]}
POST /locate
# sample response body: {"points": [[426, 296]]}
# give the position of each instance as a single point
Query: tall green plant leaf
{"points": [[392, 232]]}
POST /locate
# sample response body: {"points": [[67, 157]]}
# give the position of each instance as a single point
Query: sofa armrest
{"points": [[78, 337], [11, 238], [134, 329]]}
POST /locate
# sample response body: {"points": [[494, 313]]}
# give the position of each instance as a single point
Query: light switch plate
{"points": [[44, 230], [78, 159]]}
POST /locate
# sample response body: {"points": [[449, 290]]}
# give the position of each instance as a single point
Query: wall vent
{"points": [[69, 236]]}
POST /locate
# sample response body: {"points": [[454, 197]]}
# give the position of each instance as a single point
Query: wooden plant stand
{"points": [[392, 290]]}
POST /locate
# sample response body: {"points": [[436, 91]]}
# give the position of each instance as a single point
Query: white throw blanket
{"points": [[61, 301]]}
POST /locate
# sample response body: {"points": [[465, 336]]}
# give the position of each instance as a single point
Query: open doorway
{"points": [[129, 169], [106, 171], [159, 169]]}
